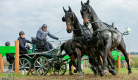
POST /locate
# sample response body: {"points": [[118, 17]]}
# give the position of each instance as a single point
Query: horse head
{"points": [[86, 12], [69, 19]]}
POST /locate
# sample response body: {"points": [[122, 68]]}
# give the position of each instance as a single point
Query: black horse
{"points": [[81, 39], [69, 48], [106, 37]]}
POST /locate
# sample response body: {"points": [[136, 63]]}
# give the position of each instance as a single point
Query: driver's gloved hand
{"points": [[57, 38], [44, 39]]}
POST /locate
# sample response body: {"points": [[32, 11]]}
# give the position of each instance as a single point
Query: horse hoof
{"points": [[101, 74], [80, 74], [113, 67], [75, 71], [105, 71], [130, 72], [110, 71], [114, 73], [70, 73], [95, 72]]}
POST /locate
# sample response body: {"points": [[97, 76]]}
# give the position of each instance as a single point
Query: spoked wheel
{"points": [[24, 66], [59, 68], [41, 66]]}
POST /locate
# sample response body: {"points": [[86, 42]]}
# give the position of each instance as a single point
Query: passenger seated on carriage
{"points": [[42, 34], [22, 43], [10, 57]]}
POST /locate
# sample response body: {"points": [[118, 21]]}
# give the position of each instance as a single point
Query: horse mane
{"points": [[76, 19], [94, 13]]}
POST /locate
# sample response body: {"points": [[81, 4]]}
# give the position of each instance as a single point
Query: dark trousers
{"points": [[23, 51], [48, 46], [10, 58]]}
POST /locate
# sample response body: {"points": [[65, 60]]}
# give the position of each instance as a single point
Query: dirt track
{"points": [[121, 76]]}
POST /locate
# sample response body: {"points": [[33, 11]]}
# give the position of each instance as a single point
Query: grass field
{"points": [[134, 56], [122, 75]]}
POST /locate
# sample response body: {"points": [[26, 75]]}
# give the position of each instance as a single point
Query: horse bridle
{"points": [[72, 24], [73, 27], [89, 11]]}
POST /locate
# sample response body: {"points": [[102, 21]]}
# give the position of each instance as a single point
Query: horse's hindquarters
{"points": [[116, 40]]}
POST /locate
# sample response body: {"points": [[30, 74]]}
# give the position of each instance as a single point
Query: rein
{"points": [[96, 22]]}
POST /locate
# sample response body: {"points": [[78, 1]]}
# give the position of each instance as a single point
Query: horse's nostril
{"points": [[87, 23], [69, 30]]}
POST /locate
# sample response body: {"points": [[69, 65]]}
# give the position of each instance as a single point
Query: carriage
{"points": [[39, 61]]}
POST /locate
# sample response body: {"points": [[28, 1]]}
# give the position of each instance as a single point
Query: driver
{"points": [[22, 43], [42, 34]]}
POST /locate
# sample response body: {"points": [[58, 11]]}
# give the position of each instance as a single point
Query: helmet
{"points": [[21, 33], [7, 43], [44, 26]]}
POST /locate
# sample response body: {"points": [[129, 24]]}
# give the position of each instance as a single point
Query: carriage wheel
{"points": [[59, 68], [41, 66], [24, 66]]}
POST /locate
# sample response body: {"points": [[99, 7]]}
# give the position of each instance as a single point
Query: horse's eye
{"points": [[70, 16]]}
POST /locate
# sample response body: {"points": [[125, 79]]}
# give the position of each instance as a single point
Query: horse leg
{"points": [[75, 65], [92, 66], [122, 48], [72, 62], [75, 70], [91, 61], [112, 71], [109, 64], [73, 58], [107, 48], [99, 63], [78, 51], [113, 61], [70, 68], [96, 64]]}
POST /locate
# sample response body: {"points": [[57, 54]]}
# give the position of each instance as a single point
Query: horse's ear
{"points": [[63, 19], [89, 11], [64, 10], [81, 12], [70, 9], [81, 3], [88, 2]]}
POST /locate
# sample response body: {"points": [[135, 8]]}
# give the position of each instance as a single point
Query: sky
{"points": [[29, 15]]}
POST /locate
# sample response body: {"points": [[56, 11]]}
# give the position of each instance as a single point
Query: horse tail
{"points": [[62, 47]]}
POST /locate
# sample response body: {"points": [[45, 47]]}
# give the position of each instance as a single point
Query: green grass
{"points": [[122, 75]]}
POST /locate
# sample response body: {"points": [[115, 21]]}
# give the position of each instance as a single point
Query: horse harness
{"points": [[110, 28], [83, 38]]}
